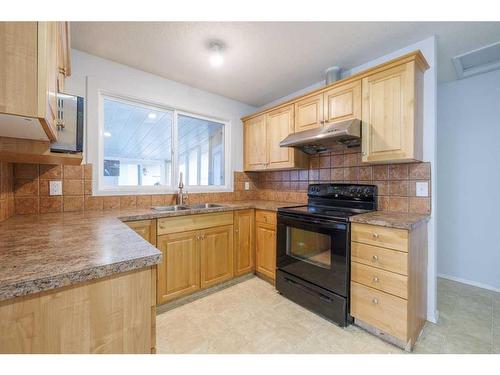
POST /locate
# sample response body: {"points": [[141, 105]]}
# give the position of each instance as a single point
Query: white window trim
{"points": [[101, 190]]}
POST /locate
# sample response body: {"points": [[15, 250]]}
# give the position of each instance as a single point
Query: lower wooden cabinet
{"points": [[145, 228], [179, 271], [216, 249], [265, 235], [244, 242]]}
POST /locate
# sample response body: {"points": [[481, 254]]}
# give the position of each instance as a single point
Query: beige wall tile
{"points": [[94, 203], [73, 172], [72, 187], [26, 187], [25, 205], [73, 203], [420, 205], [398, 204], [50, 172], [25, 170], [51, 204], [399, 188], [111, 202], [144, 201], [128, 201], [398, 172], [87, 171], [420, 171]]}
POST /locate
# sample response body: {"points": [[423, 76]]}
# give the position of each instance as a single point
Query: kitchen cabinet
{"points": [[392, 115], [216, 250], [145, 228], [388, 99], [343, 102], [308, 113], [244, 242], [261, 143], [389, 281], [179, 272], [265, 238]]}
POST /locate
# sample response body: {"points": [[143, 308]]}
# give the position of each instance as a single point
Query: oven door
{"points": [[314, 250]]}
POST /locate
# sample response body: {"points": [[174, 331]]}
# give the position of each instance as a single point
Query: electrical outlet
{"points": [[422, 189], [55, 187], [247, 185]]}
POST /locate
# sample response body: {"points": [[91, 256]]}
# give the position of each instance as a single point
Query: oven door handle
{"points": [[310, 220]]}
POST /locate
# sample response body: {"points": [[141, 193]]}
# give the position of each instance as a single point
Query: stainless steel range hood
{"points": [[326, 137]]}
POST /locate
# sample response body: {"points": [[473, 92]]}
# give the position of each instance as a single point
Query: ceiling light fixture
{"points": [[216, 58], [151, 116], [107, 134]]}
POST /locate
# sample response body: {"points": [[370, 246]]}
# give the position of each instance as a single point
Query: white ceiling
{"points": [[267, 60]]}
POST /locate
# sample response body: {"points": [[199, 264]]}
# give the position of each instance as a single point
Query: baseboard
{"points": [[469, 282]]}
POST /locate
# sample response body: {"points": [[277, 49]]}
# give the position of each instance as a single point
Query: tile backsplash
{"points": [[6, 190], [25, 187]]}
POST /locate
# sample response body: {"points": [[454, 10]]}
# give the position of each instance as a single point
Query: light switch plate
{"points": [[247, 185], [422, 189], [55, 187]]}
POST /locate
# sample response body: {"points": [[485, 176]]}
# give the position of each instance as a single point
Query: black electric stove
{"points": [[313, 247]]}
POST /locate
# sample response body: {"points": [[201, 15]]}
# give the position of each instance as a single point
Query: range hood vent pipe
{"points": [[332, 74]]}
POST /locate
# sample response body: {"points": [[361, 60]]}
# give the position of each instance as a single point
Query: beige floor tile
{"points": [[458, 343]]}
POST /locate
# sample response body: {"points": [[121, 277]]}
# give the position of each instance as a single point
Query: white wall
{"points": [[469, 180], [90, 74], [428, 48]]}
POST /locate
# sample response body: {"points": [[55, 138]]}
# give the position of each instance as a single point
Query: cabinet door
{"points": [[343, 102], [255, 143], [244, 242], [388, 115], [308, 113], [216, 255], [279, 126], [179, 271], [266, 249], [63, 55], [145, 228]]}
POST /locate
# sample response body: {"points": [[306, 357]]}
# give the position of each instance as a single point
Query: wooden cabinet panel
{"points": [[279, 126], [266, 249], [19, 64], [382, 310], [244, 242], [179, 271], [376, 278], [391, 116], [392, 238], [145, 228], [191, 222], [266, 217], [216, 255], [386, 259], [255, 147], [343, 102], [308, 113]]}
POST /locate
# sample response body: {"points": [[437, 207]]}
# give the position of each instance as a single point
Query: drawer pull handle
{"points": [[375, 235], [375, 258], [375, 279], [375, 301]]}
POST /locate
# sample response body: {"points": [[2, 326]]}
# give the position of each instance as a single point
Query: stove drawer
{"points": [[382, 310], [391, 238], [376, 278], [386, 259]]}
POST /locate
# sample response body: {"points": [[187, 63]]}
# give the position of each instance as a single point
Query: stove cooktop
{"points": [[327, 212]]}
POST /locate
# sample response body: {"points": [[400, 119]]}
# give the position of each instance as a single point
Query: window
{"points": [[139, 141]]}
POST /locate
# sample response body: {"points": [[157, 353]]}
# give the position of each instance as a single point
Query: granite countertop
{"points": [[43, 252], [391, 219]]}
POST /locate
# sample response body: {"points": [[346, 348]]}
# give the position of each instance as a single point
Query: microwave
{"points": [[69, 124]]}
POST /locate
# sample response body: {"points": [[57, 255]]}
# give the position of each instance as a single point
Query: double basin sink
{"points": [[186, 207]]}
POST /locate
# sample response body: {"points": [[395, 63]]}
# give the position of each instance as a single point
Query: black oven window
{"points": [[310, 247]]}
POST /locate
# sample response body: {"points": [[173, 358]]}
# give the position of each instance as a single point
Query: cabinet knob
{"points": [[375, 301], [236, 231], [363, 153], [375, 258], [375, 279], [375, 235]]}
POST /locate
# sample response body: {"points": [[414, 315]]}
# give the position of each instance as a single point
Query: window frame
{"points": [[101, 189]]}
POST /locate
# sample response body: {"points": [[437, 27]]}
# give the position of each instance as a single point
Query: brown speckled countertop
{"points": [[391, 219], [43, 252]]}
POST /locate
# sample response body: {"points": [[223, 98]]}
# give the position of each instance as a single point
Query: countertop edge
{"points": [[407, 223]]}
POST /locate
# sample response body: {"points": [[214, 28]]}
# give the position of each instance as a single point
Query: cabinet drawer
{"points": [[389, 260], [376, 278], [381, 310], [267, 217], [390, 238], [193, 222]]}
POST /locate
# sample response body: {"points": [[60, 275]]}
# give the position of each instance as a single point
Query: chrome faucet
{"points": [[181, 195]]}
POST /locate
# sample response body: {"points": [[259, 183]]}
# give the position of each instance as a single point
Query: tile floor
{"points": [[251, 317]]}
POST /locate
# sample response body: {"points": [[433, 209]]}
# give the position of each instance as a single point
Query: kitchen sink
{"points": [[205, 205], [170, 208]]}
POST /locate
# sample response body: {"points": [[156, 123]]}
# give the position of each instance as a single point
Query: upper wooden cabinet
{"points": [[262, 136], [388, 99], [308, 113], [343, 102], [392, 119], [31, 56]]}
